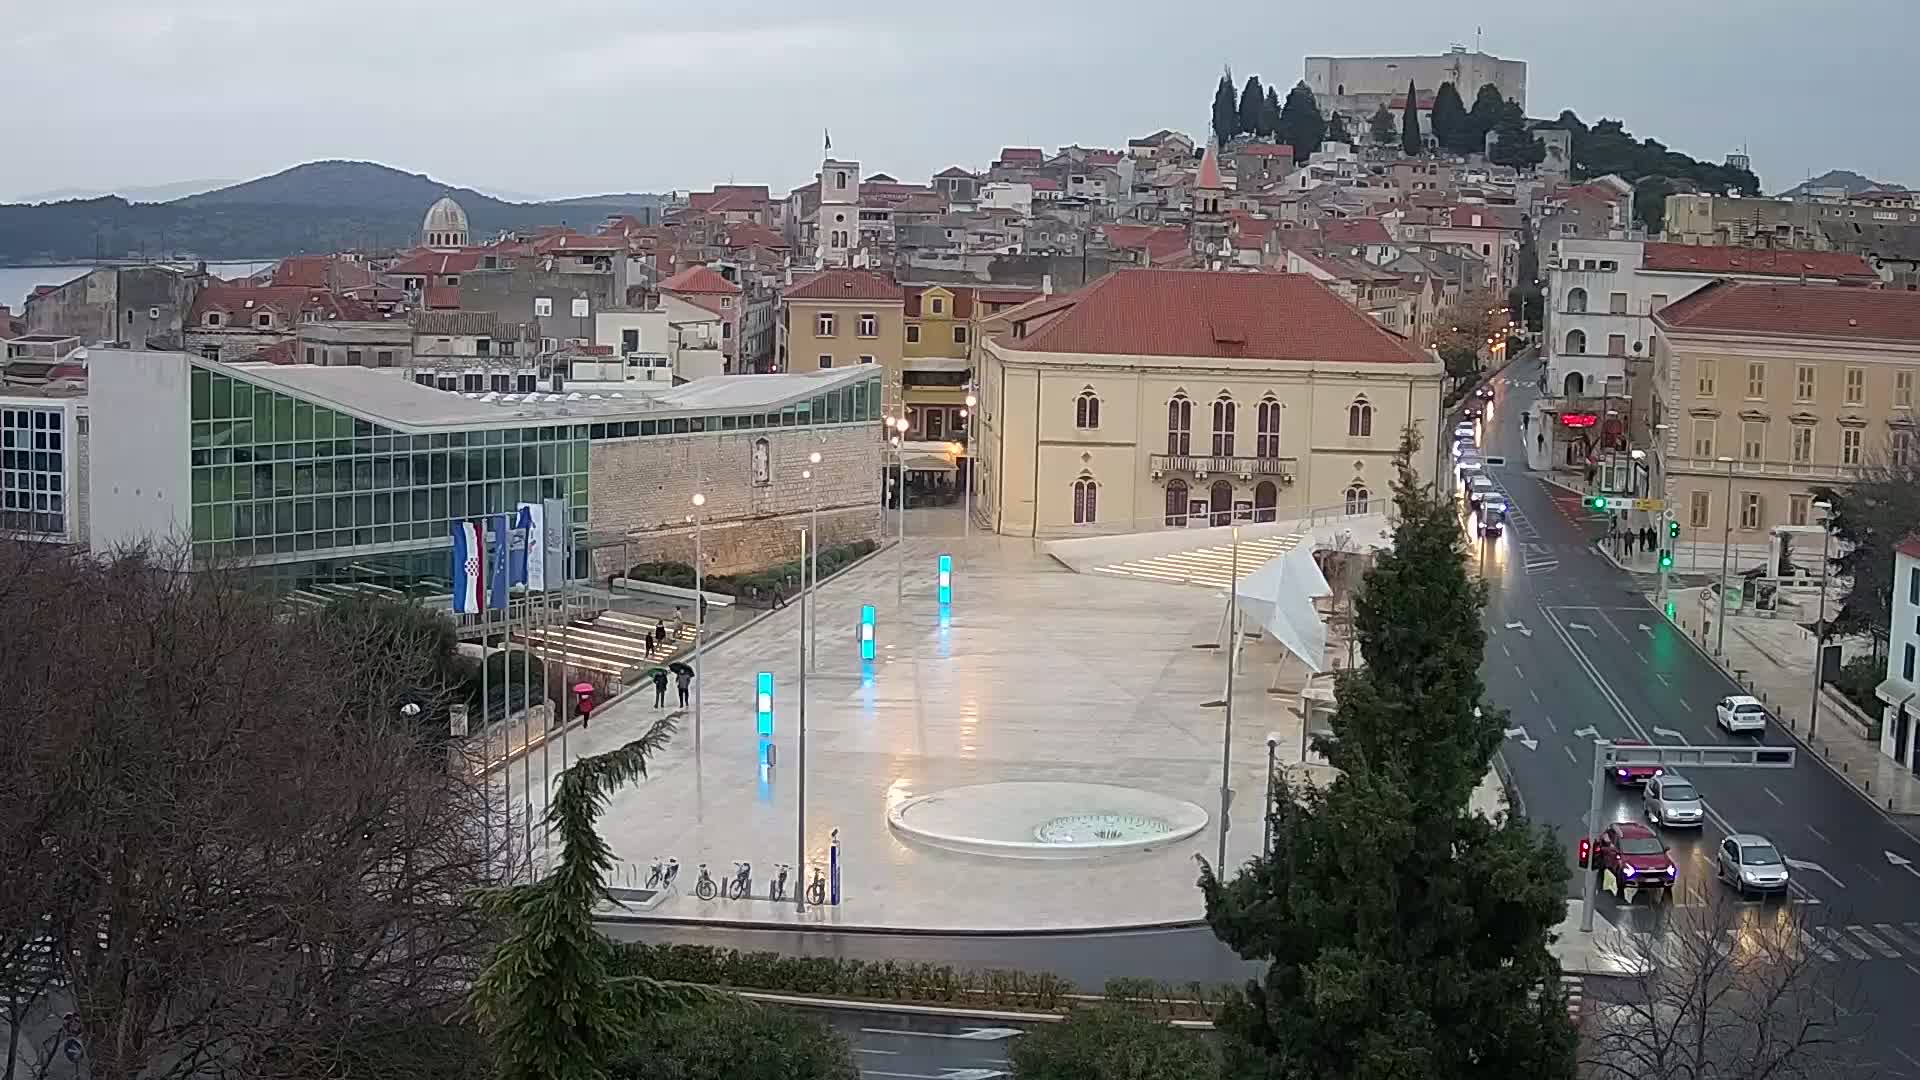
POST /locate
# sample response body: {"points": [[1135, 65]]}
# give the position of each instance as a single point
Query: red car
{"points": [[1633, 775], [1637, 857]]}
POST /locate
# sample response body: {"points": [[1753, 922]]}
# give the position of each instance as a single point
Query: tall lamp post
{"points": [[813, 523], [1820, 619], [966, 415], [1726, 556], [699, 610], [900, 425], [800, 776]]}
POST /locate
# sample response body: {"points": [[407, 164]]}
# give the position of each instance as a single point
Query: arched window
{"points": [[1220, 503], [1357, 498], [1360, 419], [1176, 502], [1576, 301], [1179, 425], [1267, 442], [1266, 498], [1223, 417], [1575, 384], [1086, 495], [1576, 342], [1086, 410]]}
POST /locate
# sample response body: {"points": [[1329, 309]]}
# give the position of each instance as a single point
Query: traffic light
{"points": [[1673, 528], [1666, 560], [1596, 502], [1586, 851]]}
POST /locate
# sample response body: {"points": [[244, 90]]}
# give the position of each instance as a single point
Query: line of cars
{"points": [[1638, 857], [1487, 503]]}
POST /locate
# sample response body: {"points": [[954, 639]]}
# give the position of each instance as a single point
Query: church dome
{"points": [[445, 226]]}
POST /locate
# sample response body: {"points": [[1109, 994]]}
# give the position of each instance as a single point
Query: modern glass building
{"points": [[313, 476]]}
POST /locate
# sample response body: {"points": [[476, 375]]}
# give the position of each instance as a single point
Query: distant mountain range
{"points": [[1852, 181], [317, 207], [155, 193]]}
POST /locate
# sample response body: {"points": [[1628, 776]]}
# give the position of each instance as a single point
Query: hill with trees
{"points": [[315, 207]]}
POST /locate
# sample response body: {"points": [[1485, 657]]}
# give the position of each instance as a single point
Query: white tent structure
{"points": [[1278, 597]]}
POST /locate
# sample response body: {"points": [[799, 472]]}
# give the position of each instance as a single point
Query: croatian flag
{"points": [[469, 568]]}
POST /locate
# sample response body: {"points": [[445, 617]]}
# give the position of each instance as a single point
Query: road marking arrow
{"points": [[1668, 733], [1581, 626], [971, 1074], [1521, 734], [1902, 863], [1522, 627], [1588, 732], [971, 1034], [1647, 630], [1798, 864]]}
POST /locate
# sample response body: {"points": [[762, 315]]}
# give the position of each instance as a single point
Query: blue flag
{"points": [[499, 568], [523, 538]]}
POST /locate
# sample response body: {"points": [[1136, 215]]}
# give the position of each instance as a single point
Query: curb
{"points": [[949, 1011], [764, 926]]}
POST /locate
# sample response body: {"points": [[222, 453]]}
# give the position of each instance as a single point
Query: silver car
{"points": [[1750, 863], [1670, 800]]}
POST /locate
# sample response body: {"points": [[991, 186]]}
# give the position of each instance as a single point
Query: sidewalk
{"points": [[1773, 659]]}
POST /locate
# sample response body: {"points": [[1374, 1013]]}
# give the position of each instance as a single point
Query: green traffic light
{"points": [[1666, 560], [1673, 528]]}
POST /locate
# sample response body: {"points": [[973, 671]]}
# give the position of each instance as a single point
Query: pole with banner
{"points": [[467, 571], [556, 547], [529, 523]]}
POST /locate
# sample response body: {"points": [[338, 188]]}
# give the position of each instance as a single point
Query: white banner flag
{"points": [[533, 520]]}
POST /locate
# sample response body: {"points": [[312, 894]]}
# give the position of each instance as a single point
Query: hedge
{"points": [[890, 980], [758, 584]]}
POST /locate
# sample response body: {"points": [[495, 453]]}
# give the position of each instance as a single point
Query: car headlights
{"points": [[1627, 870]]}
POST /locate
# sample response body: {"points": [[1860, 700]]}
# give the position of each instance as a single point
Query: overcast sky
{"points": [[570, 97]]}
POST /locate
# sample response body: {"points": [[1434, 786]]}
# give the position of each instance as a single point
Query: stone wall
{"points": [[641, 489]]}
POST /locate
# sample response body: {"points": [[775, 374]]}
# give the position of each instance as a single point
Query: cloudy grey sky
{"points": [[568, 97]]}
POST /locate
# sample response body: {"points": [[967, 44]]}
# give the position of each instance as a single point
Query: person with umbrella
{"points": [[583, 703], [683, 679], [659, 677]]}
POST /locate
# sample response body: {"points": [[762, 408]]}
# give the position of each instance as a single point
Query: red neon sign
{"points": [[1579, 419]]}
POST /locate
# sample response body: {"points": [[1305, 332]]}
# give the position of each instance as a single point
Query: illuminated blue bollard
{"points": [[946, 580], [866, 631], [763, 703]]}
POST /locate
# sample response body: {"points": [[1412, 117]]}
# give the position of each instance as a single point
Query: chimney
{"points": [[1046, 284]]}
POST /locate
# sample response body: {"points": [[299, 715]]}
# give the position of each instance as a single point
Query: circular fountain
{"points": [[1045, 820]]}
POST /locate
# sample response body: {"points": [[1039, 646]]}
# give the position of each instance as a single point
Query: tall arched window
{"points": [[1266, 498], [1357, 498], [1220, 503], [1176, 502], [1576, 342], [1086, 410], [1360, 418], [1086, 496], [1576, 301], [1224, 413], [1267, 441], [1575, 384], [1179, 425]]}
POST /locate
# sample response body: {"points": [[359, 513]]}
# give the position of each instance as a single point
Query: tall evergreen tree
{"points": [[1449, 119], [1515, 145], [1410, 141], [1404, 934], [1487, 105], [1253, 104], [1270, 115], [1337, 129], [1226, 112], [1301, 125], [1382, 127]]}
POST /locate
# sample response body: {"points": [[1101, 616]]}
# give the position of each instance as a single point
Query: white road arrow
{"points": [[1588, 732], [1902, 863], [1668, 733], [1522, 627], [969, 1074], [1581, 626], [1521, 734], [1647, 630], [1816, 868]]}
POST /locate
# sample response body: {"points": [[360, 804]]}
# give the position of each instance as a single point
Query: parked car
{"points": [[1479, 487], [1633, 775], [1487, 391], [1491, 514], [1750, 863], [1634, 853], [1739, 713], [1672, 801], [1466, 429]]}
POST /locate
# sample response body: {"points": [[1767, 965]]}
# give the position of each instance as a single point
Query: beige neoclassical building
{"points": [[1173, 398]]}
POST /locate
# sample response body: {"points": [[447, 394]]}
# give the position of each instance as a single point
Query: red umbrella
{"points": [[583, 688]]}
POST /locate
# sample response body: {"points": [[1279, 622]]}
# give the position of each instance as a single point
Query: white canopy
{"points": [[1279, 596]]}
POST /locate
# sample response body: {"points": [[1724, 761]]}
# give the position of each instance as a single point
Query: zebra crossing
{"points": [[1856, 942]]}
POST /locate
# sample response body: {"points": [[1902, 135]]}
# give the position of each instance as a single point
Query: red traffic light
{"points": [[1586, 851]]}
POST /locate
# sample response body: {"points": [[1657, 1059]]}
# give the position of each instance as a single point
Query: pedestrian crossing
{"points": [[1857, 942]]}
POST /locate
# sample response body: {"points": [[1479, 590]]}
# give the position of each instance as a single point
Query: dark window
{"points": [[384, 358], [1360, 419], [1179, 426], [1176, 502], [1086, 411], [1267, 442], [1906, 664], [1266, 499], [1086, 496], [1224, 413]]}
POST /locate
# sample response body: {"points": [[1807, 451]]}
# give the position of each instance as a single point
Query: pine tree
{"points": [[1226, 114], [1382, 127], [1410, 141], [1253, 103], [1449, 119], [1404, 935], [1487, 105], [1337, 129], [1301, 125], [1270, 114], [1515, 145]]}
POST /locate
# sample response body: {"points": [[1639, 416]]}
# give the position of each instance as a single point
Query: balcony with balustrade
{"points": [[1202, 466]]}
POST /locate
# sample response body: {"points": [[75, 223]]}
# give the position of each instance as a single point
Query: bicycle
{"points": [[703, 886], [817, 888], [673, 874], [654, 874], [778, 890], [741, 887]]}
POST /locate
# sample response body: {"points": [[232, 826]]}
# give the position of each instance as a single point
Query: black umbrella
{"points": [[679, 668]]}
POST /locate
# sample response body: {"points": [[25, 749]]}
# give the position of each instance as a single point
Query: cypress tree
{"points": [[1337, 129], [1487, 106], [1381, 127], [1270, 114], [1226, 114], [1253, 105], [1301, 125], [1410, 141], [1449, 119]]}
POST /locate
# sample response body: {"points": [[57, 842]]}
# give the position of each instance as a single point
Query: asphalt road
{"points": [[1577, 652]]}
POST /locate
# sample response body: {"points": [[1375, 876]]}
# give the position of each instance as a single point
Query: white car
{"points": [[1478, 487], [1465, 431], [1739, 713]]}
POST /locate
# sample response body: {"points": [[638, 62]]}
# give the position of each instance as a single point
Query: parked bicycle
{"points": [[778, 890], [656, 872], [703, 886], [817, 888], [741, 887]]}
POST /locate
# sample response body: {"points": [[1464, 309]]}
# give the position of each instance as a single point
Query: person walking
{"points": [[659, 634], [660, 688], [684, 681]]}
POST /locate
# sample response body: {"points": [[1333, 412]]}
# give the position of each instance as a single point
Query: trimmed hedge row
{"points": [[890, 980], [761, 583]]}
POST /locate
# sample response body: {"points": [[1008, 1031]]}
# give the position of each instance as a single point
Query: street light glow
{"points": [[814, 457], [972, 401], [699, 499]]}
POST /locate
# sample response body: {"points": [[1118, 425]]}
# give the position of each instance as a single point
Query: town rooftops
{"points": [[425, 262], [1257, 149], [954, 172], [700, 280], [1214, 314], [1910, 547], [1701, 259], [406, 406], [1355, 232], [846, 285], [1022, 154], [1835, 313], [289, 300]]}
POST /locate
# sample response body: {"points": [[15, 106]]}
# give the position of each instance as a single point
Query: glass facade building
{"points": [[33, 471]]}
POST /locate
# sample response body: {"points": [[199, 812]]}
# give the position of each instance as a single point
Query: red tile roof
{"points": [[426, 262], [1910, 547], [320, 272], [1158, 241], [962, 299], [1840, 314], [442, 297], [748, 234], [1022, 153], [289, 301], [1044, 184], [280, 352], [1355, 232], [1399, 103], [1266, 150], [846, 285], [1005, 295], [1218, 314], [700, 280], [1734, 260]]}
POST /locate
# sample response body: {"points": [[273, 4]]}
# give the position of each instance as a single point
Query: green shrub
{"points": [[1112, 1042], [887, 980], [734, 1040], [1856, 682], [759, 583]]}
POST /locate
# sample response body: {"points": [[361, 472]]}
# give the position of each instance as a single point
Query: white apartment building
{"points": [[1898, 732]]}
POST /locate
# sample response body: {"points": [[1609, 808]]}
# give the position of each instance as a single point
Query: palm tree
{"points": [[547, 998]]}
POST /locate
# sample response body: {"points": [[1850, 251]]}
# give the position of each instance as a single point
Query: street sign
{"points": [[1622, 502]]}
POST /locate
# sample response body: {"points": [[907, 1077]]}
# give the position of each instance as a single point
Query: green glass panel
{"points": [[202, 485], [283, 478], [302, 420], [282, 517], [873, 399], [437, 505], [242, 520], [222, 484], [242, 482], [220, 396], [323, 514], [322, 423], [262, 416], [831, 414], [202, 403], [202, 434], [362, 512], [283, 430], [303, 479], [202, 523], [303, 516], [579, 457], [223, 522], [383, 509]]}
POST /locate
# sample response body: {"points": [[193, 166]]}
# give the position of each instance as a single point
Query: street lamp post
{"points": [[1820, 618], [800, 785], [966, 414], [1226, 735], [1664, 538], [699, 611], [813, 521], [1266, 810], [900, 508], [1726, 559]]}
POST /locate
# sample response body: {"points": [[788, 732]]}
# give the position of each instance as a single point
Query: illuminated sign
{"points": [[1579, 419], [946, 579]]}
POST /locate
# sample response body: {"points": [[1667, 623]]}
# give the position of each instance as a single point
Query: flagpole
{"points": [[566, 622]]}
